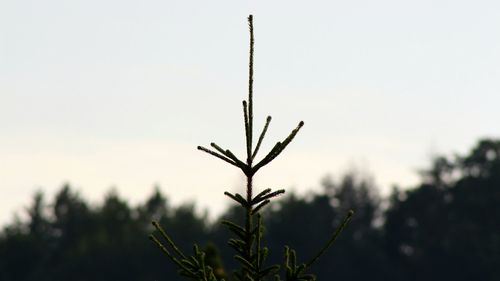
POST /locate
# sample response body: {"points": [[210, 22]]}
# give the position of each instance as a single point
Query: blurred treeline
{"points": [[446, 228]]}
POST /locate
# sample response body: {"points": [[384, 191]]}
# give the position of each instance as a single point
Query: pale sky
{"points": [[105, 94]]}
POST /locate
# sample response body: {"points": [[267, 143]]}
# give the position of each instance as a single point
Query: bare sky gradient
{"points": [[120, 93]]}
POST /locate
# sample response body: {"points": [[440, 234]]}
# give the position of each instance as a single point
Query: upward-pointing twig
{"points": [[250, 90], [261, 137], [222, 157], [337, 232]]}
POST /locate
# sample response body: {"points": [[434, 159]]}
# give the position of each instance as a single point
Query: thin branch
{"points": [[238, 198], [238, 230], [240, 163], [293, 133], [250, 86], [162, 248], [248, 131], [267, 158], [218, 155], [169, 240], [264, 203], [261, 137], [218, 148], [278, 148], [269, 196], [258, 242], [169, 255], [262, 193], [339, 229], [229, 154]]}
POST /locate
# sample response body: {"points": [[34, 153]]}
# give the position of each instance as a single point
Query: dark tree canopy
{"points": [[449, 227], [446, 228]]}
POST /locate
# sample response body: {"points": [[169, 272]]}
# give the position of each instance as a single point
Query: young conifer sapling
{"points": [[247, 240]]}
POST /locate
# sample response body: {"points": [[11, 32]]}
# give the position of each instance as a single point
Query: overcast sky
{"points": [[120, 93]]}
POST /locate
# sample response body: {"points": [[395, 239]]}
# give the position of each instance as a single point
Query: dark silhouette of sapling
{"points": [[247, 242]]}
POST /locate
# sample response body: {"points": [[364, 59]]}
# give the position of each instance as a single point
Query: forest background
{"points": [[446, 228]]}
